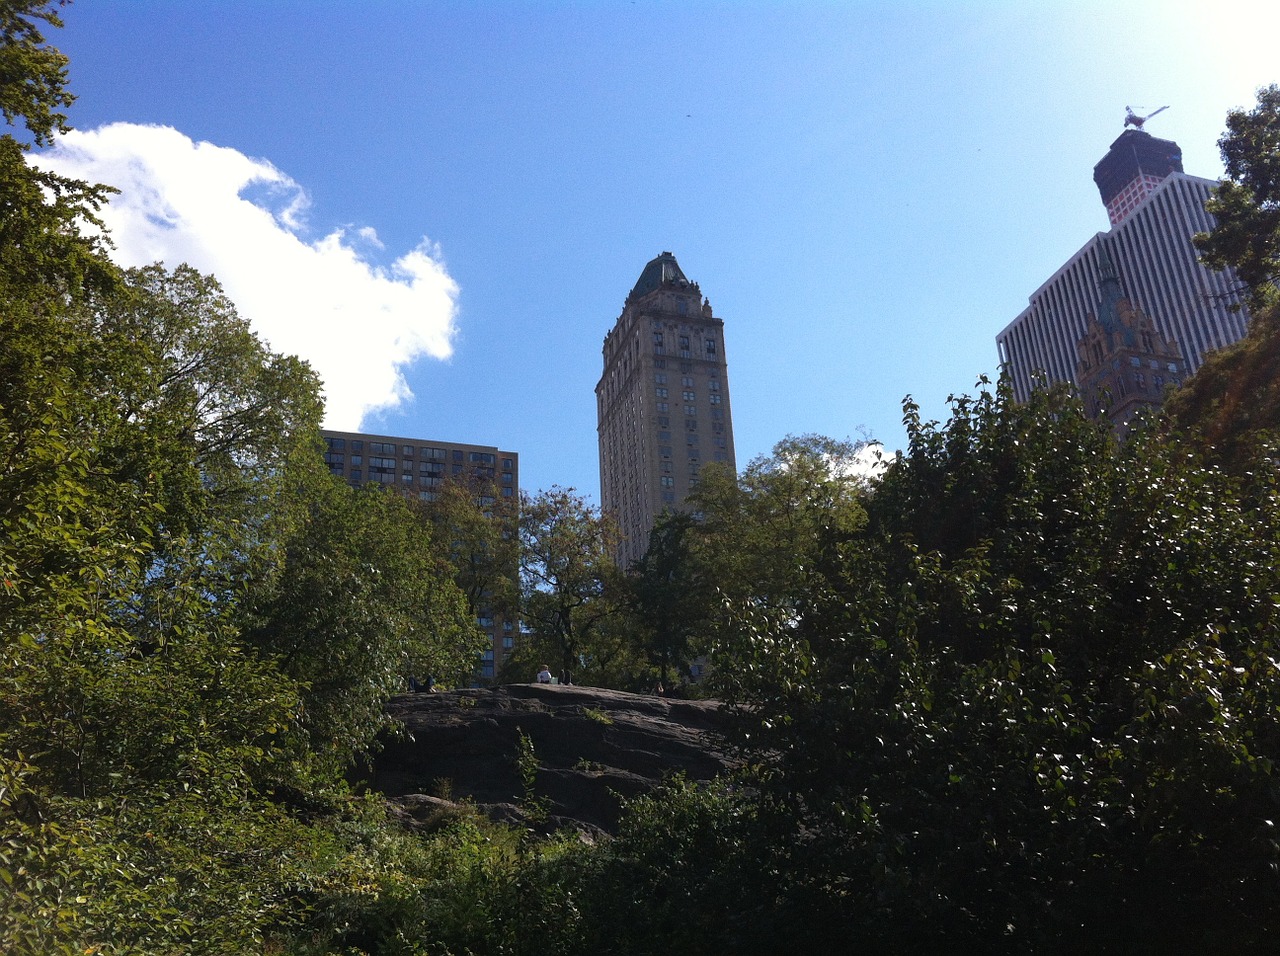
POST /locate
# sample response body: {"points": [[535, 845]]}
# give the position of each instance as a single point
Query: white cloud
{"points": [[356, 322]]}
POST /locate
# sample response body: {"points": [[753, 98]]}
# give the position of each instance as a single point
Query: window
{"points": [[407, 451], [336, 444], [508, 478], [664, 436], [688, 395], [660, 378], [406, 479], [690, 410], [713, 384], [663, 407], [661, 392], [483, 457], [331, 459], [715, 399], [433, 454], [686, 381], [506, 492], [711, 346], [457, 454], [667, 481], [669, 497], [684, 343], [657, 341], [691, 424], [357, 445], [382, 448], [508, 464], [665, 450], [355, 476]]}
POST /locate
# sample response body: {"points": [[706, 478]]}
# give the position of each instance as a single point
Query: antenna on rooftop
{"points": [[1133, 119]]}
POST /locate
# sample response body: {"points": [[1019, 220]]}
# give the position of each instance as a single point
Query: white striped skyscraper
{"points": [[1155, 210]]}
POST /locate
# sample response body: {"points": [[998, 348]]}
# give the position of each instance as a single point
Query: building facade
{"points": [[662, 402], [1124, 364], [419, 469], [1155, 210]]}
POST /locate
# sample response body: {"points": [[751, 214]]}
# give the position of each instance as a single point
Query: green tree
{"points": [[568, 578], [1247, 203], [45, 250], [670, 597], [1030, 697], [756, 539], [1232, 404], [354, 614], [479, 531]]}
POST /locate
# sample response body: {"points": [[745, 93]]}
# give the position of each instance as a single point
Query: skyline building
{"points": [[662, 402], [1125, 364], [1155, 209], [418, 468]]}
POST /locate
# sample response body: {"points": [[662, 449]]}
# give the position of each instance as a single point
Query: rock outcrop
{"points": [[592, 748]]}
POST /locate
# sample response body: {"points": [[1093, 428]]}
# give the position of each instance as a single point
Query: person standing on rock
{"points": [[544, 675]]}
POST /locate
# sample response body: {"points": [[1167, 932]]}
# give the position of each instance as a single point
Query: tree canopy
{"points": [[1247, 203]]}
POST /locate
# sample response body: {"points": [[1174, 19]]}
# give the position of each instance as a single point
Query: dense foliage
{"points": [[197, 633], [1247, 203]]}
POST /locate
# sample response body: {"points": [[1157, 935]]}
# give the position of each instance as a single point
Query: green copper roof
{"points": [[660, 271], [1109, 295]]}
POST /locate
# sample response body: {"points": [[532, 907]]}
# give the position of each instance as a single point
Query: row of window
{"points": [[686, 381], [659, 340], [388, 477], [430, 454]]}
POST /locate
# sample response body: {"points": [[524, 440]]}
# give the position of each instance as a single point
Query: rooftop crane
{"points": [[1133, 119]]}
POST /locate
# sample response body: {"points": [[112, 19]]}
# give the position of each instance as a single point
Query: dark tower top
{"points": [[660, 271], [1135, 158]]}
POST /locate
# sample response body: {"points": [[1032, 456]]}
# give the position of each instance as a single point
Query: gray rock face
{"points": [[593, 748]]}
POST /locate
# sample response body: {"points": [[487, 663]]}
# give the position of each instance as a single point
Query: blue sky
{"points": [[444, 204]]}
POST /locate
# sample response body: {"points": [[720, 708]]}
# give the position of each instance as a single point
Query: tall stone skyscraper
{"points": [[662, 402]]}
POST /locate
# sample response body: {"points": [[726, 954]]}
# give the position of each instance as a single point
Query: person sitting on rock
{"points": [[544, 675]]}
